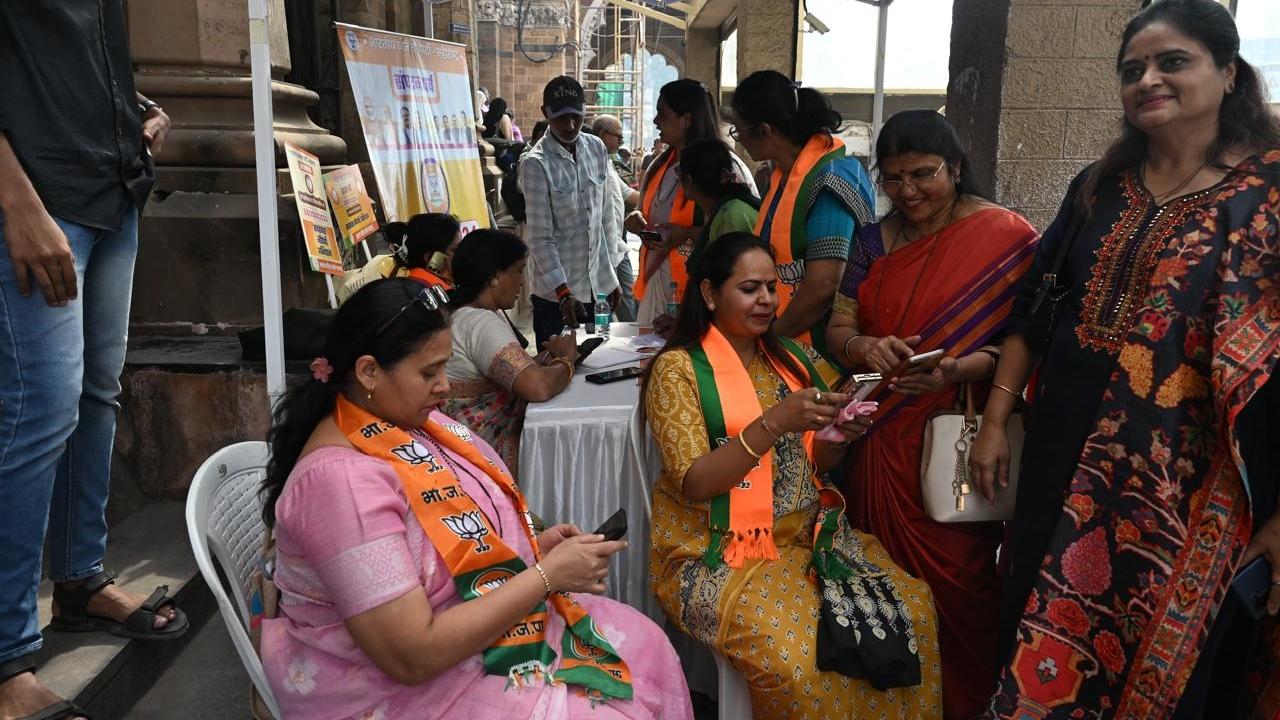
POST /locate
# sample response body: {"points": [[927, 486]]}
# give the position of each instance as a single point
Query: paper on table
{"points": [[650, 340], [606, 356]]}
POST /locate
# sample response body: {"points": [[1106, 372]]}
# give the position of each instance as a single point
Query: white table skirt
{"points": [[577, 464], [583, 455]]}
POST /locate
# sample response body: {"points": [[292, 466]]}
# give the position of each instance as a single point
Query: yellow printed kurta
{"points": [[764, 616]]}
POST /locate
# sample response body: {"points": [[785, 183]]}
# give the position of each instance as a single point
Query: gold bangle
{"points": [[546, 581], [847, 352], [765, 424], [1016, 395], [747, 447], [567, 365]]}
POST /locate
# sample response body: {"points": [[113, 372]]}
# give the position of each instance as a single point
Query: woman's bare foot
{"points": [[112, 602], [24, 695]]}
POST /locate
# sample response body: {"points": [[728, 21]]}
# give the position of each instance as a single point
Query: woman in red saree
{"points": [[937, 272]]}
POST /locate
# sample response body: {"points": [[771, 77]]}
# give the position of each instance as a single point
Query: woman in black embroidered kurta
{"points": [[1143, 477]]}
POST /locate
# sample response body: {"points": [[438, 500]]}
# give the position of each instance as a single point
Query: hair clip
{"points": [[401, 251], [795, 91], [321, 369]]}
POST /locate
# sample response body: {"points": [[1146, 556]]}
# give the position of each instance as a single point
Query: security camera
{"points": [[817, 25]]}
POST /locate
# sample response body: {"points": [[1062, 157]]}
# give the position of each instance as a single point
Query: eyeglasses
{"points": [[432, 297], [895, 184], [737, 134]]}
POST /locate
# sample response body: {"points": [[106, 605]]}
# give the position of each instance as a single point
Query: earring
{"points": [[1231, 88], [493, 283], [369, 394], [712, 307]]}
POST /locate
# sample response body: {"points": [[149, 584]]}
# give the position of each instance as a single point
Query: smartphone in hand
{"points": [[615, 527]]}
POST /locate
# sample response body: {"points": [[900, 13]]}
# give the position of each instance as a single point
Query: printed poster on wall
{"points": [[417, 112], [313, 210], [351, 203]]}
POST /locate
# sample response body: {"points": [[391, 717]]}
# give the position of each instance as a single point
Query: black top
{"points": [[1105, 293], [68, 107]]}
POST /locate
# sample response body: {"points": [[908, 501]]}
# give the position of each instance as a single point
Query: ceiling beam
{"points": [[651, 13]]}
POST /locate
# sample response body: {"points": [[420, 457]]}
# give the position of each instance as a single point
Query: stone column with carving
{"points": [[198, 265]]}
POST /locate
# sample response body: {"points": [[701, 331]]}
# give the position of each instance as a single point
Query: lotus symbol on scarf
{"points": [[468, 526], [415, 454]]}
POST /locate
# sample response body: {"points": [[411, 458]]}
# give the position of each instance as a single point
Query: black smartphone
{"points": [[650, 237], [609, 376], [587, 347], [615, 527], [1252, 585]]}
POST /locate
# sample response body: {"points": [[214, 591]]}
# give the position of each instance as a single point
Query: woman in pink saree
{"points": [[412, 583]]}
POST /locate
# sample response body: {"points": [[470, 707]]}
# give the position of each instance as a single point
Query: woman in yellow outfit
{"points": [[751, 552]]}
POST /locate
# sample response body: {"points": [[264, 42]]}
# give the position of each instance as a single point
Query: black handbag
{"points": [[1050, 293]]}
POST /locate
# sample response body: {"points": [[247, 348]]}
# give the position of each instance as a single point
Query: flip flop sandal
{"points": [[57, 711], [73, 615]]}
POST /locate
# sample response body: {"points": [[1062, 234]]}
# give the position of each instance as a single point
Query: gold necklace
{"points": [[1163, 196]]}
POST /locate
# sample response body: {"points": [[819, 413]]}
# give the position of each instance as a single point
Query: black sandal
{"points": [[73, 615], [57, 711]]}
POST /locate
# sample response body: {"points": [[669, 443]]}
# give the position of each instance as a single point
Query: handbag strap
{"points": [[970, 415], [1049, 281]]}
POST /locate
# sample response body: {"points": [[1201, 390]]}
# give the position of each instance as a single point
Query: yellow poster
{"points": [[313, 211], [417, 112], [351, 203]]}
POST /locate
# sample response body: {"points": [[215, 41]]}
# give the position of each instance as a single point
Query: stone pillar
{"points": [[702, 57], [198, 262], [769, 36], [977, 78], [192, 57], [1060, 105]]}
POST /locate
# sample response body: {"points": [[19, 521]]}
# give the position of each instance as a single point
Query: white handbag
{"points": [[949, 495]]}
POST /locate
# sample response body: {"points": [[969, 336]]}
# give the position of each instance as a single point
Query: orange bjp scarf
{"points": [[478, 558], [683, 213], [741, 520], [787, 227]]}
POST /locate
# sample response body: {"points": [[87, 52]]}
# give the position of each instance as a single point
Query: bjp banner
{"points": [[416, 109], [313, 211], [350, 203]]}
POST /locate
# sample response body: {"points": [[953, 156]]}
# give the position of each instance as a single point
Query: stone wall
{"points": [[1059, 97], [505, 70]]}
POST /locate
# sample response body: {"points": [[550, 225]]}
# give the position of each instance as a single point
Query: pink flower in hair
{"points": [[321, 369]]}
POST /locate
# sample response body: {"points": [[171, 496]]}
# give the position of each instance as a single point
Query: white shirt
{"points": [[569, 226]]}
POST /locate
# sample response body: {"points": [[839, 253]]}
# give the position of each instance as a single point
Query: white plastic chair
{"points": [[224, 514], [733, 699]]}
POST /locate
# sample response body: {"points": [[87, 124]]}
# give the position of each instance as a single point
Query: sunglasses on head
{"points": [[432, 297]]}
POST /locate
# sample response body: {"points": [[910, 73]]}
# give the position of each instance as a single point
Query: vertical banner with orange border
{"points": [[417, 112], [313, 211], [351, 203]]}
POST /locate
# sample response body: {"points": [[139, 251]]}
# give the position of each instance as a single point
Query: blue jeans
{"points": [[59, 388]]}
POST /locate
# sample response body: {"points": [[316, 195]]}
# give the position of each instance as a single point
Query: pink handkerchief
{"points": [[855, 408]]}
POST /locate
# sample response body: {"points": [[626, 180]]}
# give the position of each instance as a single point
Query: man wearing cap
{"points": [[569, 227]]}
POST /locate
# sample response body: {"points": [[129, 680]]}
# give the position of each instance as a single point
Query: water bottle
{"points": [[673, 304], [602, 315]]}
